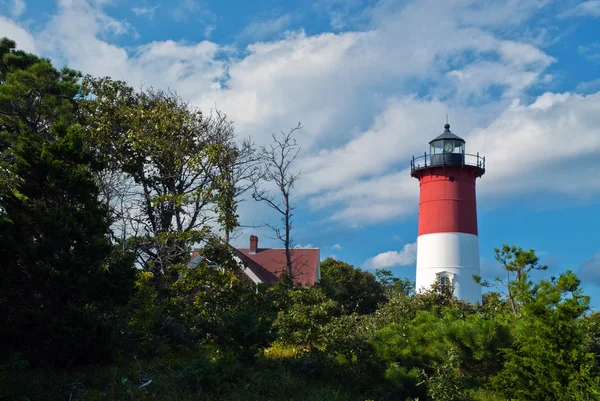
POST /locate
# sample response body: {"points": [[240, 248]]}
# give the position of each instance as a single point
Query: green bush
{"points": [[303, 323], [354, 290]]}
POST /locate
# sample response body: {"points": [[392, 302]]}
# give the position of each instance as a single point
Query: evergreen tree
{"points": [[550, 359], [60, 278]]}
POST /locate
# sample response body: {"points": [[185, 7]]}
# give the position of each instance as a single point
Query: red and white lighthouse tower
{"points": [[448, 245]]}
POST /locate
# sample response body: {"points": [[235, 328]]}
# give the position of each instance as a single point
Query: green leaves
{"points": [[61, 278], [179, 162], [303, 322], [76, 161], [549, 357], [353, 289]]}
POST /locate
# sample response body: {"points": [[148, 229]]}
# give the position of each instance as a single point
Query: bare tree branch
{"points": [[277, 159]]}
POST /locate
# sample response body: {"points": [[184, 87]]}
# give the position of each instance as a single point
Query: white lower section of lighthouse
{"points": [[452, 258]]}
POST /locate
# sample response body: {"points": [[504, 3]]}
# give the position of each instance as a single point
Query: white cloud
{"points": [[528, 148], [407, 256], [540, 146], [364, 166], [588, 87], [74, 36], [10, 29], [522, 67], [144, 11], [590, 51], [368, 99], [264, 29], [209, 30], [323, 80], [336, 247], [589, 8]]}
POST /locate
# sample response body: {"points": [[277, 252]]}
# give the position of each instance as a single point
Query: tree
{"points": [[176, 160], [34, 95], [592, 324], [304, 323], [353, 289], [394, 285], [238, 169], [61, 278], [549, 358], [277, 161], [517, 264], [219, 306]]}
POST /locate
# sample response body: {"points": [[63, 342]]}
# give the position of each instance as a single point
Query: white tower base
{"points": [[451, 255]]}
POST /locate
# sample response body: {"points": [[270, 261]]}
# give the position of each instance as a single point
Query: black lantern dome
{"points": [[447, 149]]}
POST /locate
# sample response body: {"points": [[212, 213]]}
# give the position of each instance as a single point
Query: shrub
{"points": [[304, 322]]}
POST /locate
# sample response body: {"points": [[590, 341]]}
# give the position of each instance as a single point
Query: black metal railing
{"points": [[446, 159]]}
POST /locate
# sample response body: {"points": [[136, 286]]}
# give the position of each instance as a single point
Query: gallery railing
{"points": [[446, 159]]}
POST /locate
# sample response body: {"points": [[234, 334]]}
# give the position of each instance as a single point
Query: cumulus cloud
{"points": [[524, 137], [369, 99], [548, 138], [407, 256], [12, 30], [76, 36]]}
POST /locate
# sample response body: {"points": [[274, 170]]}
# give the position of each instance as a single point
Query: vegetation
{"points": [[104, 191]]}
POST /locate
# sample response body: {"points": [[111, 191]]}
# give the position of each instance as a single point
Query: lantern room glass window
{"points": [[447, 146]]}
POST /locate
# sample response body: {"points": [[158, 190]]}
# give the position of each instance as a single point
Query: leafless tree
{"points": [[277, 159]]}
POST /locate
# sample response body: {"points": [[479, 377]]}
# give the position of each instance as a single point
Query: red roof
{"points": [[269, 263]]}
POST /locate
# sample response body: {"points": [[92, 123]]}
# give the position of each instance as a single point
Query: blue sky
{"points": [[371, 82]]}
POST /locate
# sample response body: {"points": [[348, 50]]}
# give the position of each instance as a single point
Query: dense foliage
{"points": [[61, 278], [104, 190]]}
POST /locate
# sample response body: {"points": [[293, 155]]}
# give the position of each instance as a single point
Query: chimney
{"points": [[253, 244], [195, 252]]}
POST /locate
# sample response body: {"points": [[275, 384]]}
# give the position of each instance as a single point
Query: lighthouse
{"points": [[447, 243]]}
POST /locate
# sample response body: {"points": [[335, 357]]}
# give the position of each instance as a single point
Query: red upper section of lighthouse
{"points": [[447, 186], [447, 200]]}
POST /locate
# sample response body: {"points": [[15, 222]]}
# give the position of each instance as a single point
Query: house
{"points": [[265, 265]]}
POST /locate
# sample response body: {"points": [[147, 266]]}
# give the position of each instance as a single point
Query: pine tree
{"points": [[60, 278]]}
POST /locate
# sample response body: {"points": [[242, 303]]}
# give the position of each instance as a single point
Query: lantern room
{"points": [[447, 149]]}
